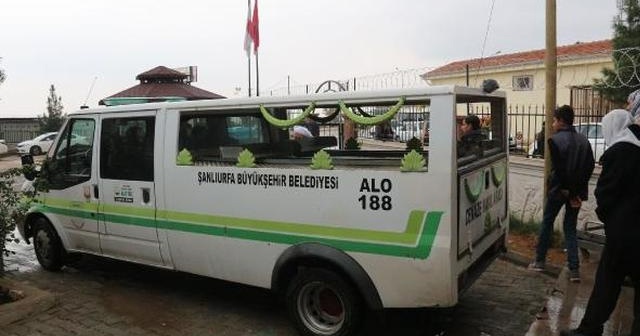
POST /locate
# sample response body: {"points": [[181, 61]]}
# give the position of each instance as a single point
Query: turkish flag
{"points": [[248, 36], [255, 31]]}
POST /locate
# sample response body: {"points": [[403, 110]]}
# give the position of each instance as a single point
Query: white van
{"points": [[218, 188]]}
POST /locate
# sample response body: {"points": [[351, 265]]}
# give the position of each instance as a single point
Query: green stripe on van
{"points": [[416, 241]]}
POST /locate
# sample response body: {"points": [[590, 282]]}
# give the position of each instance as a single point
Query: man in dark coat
{"points": [[472, 136], [618, 207], [571, 166]]}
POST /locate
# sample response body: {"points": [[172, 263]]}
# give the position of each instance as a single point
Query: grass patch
{"points": [[520, 227]]}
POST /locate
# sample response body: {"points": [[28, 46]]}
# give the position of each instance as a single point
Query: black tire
{"points": [[322, 303], [47, 246], [35, 150]]}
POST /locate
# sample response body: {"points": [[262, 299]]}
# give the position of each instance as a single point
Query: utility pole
{"points": [[551, 68]]}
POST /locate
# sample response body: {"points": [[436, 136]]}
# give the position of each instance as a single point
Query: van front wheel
{"points": [[321, 302], [47, 246]]}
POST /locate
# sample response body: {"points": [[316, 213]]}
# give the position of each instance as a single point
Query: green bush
{"points": [[12, 210]]}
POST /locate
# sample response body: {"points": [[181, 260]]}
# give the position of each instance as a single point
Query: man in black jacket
{"points": [[571, 166], [472, 136], [618, 199]]}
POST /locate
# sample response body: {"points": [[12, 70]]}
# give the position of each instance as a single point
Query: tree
{"points": [[617, 83], [52, 120]]}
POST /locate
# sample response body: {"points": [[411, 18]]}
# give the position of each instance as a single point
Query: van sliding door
{"points": [[127, 188]]}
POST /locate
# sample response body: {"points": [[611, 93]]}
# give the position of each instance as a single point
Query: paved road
{"points": [[99, 296]]}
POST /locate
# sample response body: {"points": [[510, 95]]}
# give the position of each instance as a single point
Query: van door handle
{"points": [[145, 195], [96, 193]]}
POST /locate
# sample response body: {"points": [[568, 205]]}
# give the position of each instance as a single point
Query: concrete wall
{"points": [[526, 191]]}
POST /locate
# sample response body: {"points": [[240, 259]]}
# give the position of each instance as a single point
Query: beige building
{"points": [[522, 74]]}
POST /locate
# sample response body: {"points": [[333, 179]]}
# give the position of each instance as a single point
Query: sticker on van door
{"points": [[123, 194]]}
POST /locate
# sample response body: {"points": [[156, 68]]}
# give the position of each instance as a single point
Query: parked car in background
{"points": [[3, 147], [591, 130], [406, 130], [37, 145]]}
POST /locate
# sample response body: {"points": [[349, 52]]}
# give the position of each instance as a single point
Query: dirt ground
{"points": [[525, 245]]}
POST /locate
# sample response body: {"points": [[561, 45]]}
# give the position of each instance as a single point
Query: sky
{"points": [[72, 44]]}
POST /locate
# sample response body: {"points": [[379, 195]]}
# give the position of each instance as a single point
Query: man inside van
{"points": [[471, 136]]}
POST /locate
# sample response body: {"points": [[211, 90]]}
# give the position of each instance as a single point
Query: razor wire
{"points": [[626, 68], [407, 78]]}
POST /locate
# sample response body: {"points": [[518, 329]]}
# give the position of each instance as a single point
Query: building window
{"points": [[523, 83]]}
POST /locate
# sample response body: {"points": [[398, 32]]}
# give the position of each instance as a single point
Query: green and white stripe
{"points": [[416, 241]]}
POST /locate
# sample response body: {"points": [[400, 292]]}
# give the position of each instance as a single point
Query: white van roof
{"points": [[300, 100]]}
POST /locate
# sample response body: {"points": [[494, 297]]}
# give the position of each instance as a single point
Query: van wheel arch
{"points": [[29, 222], [47, 245], [316, 255]]}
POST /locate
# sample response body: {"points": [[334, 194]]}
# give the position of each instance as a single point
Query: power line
{"points": [[484, 43]]}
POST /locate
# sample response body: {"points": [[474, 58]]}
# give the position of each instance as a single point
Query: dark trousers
{"points": [[551, 210], [615, 264]]}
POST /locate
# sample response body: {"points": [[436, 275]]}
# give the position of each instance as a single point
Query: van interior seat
{"points": [[317, 143]]}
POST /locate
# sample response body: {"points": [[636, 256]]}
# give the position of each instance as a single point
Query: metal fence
{"points": [[525, 127], [17, 136], [526, 124]]}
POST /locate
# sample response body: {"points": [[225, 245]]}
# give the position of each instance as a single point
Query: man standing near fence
{"points": [[571, 166]]}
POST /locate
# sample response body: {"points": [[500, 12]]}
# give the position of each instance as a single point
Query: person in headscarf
{"points": [[300, 132], [617, 198], [634, 104]]}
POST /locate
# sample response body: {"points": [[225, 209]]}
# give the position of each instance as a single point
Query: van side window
{"points": [[126, 148], [204, 135], [71, 161]]}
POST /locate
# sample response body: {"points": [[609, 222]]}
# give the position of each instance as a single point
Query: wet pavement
{"points": [[566, 305], [100, 296]]}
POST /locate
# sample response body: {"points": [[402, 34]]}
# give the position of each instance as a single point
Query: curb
{"points": [[520, 260], [35, 301]]}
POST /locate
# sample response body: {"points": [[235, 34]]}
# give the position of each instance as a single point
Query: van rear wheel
{"points": [[322, 303], [47, 246]]}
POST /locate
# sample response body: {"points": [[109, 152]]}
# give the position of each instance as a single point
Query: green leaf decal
{"points": [[284, 123], [372, 120], [184, 158], [413, 162], [498, 174], [488, 223], [321, 160], [246, 159], [474, 194]]}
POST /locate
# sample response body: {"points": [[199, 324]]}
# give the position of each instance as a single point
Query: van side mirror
{"points": [[28, 167], [26, 159]]}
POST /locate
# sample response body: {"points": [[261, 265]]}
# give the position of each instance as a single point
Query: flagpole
{"points": [[255, 25], [249, 55], [257, 77], [249, 68]]}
